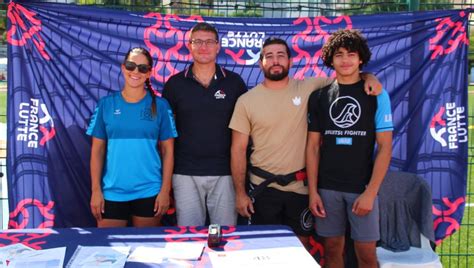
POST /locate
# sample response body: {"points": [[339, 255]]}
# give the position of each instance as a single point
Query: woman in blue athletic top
{"points": [[129, 179]]}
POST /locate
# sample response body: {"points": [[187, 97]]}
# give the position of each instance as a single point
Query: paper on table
{"points": [[184, 250], [190, 251], [46, 258], [99, 257], [147, 255], [9, 252], [156, 255], [262, 258]]}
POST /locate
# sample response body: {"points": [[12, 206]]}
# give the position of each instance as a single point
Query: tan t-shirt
{"points": [[276, 120]]}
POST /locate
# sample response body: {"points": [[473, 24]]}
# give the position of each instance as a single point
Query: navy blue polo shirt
{"points": [[202, 118]]}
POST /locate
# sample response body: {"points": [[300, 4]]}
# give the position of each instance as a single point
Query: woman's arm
{"points": [[97, 163], [162, 201]]}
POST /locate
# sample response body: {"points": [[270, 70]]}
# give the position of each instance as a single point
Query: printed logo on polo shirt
{"points": [[219, 95], [117, 112], [146, 114], [451, 119], [35, 124], [345, 111], [296, 101]]}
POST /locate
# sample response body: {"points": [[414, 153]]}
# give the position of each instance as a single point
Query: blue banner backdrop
{"points": [[63, 58]]}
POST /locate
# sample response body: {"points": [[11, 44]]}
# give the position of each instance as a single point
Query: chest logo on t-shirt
{"points": [[219, 95], [117, 112], [146, 114], [345, 111], [296, 101]]}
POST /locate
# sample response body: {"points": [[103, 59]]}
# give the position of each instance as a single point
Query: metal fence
{"points": [[270, 8], [456, 251]]}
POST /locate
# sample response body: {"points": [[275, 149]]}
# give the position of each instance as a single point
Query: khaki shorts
{"points": [[197, 195]]}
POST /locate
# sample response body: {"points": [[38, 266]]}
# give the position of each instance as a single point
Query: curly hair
{"points": [[352, 40]]}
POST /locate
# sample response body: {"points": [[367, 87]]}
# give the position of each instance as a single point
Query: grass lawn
{"points": [[3, 107], [458, 249]]}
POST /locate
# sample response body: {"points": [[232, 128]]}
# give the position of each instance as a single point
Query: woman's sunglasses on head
{"points": [[142, 68]]}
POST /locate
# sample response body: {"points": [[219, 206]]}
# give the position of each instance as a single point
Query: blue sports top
{"points": [[132, 167]]}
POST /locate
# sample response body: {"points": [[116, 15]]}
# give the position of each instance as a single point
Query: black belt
{"points": [[282, 180]]}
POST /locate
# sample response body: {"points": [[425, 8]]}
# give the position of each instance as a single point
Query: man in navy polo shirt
{"points": [[203, 98]]}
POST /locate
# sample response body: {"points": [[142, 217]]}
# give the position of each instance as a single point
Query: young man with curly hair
{"points": [[344, 124], [273, 115]]}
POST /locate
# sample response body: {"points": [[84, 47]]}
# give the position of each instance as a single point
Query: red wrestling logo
{"points": [[25, 28]]}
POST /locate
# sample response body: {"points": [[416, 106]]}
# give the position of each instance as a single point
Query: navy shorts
{"points": [[273, 206], [123, 210], [338, 207]]}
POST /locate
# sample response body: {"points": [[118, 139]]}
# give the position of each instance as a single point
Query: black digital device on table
{"points": [[214, 235]]}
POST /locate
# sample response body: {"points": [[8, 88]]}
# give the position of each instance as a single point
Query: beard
{"points": [[276, 76]]}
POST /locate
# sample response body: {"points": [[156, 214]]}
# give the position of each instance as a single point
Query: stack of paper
{"points": [[173, 254], [9, 252], [18, 255], [184, 250], [99, 257]]}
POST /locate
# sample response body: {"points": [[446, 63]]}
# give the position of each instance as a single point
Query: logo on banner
{"points": [[345, 111], [25, 28], [316, 32], [445, 222], [453, 31], [35, 124], [241, 46], [20, 217], [165, 29], [448, 126]]}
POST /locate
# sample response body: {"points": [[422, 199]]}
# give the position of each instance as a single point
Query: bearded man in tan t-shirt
{"points": [[274, 115]]}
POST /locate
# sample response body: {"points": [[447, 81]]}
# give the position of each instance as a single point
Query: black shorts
{"points": [[123, 210], [273, 206]]}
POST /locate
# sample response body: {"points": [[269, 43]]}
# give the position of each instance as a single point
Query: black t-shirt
{"points": [[202, 120], [345, 117]]}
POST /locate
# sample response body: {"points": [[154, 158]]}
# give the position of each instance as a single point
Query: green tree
{"points": [[436, 4], [3, 26], [375, 6]]}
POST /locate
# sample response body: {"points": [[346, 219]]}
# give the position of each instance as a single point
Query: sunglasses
{"points": [[142, 68]]}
